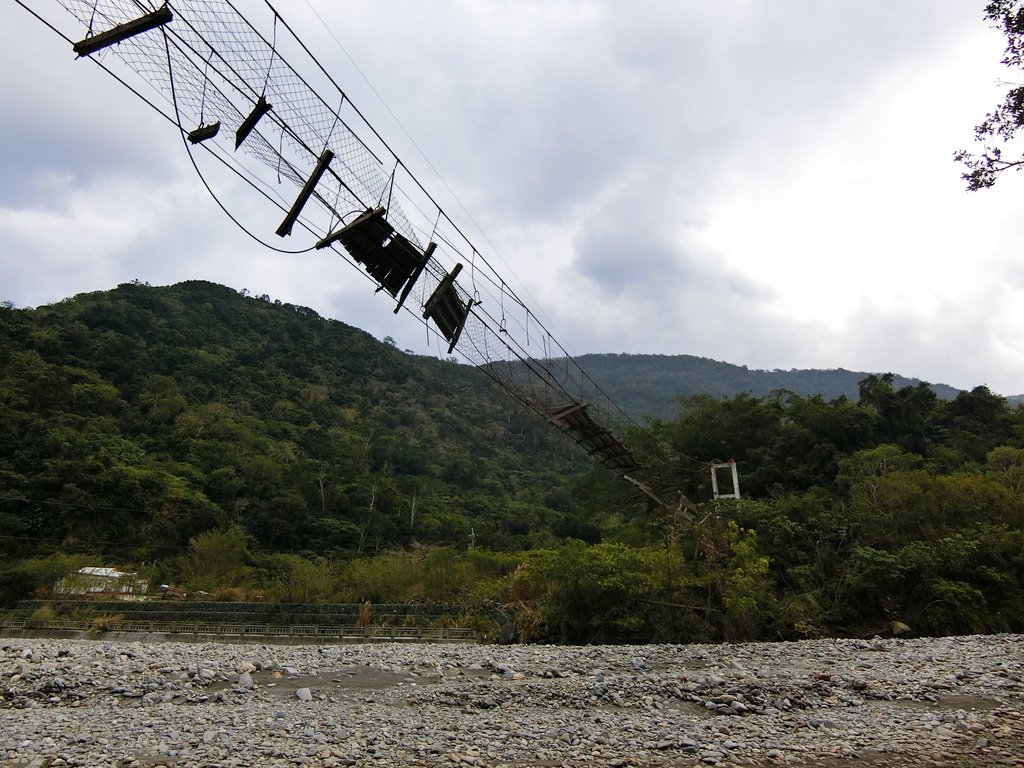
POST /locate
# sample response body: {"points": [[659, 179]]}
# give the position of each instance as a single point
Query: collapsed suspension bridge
{"points": [[240, 105]]}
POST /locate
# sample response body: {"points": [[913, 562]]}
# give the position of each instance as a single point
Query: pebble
{"points": [[913, 702]]}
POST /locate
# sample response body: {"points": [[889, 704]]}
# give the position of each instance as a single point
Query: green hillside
{"points": [[649, 385], [256, 451], [136, 418]]}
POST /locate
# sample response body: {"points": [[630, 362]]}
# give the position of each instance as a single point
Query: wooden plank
{"points": [[305, 192], [258, 111], [358, 221], [203, 132], [442, 287], [427, 254], [157, 18]]}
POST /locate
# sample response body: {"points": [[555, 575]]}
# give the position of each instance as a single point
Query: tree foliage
{"points": [[136, 419], [252, 450], [998, 131]]}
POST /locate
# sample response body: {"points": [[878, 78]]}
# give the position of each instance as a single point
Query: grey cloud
{"points": [[609, 128], [629, 248], [534, 123], [67, 118], [953, 344]]}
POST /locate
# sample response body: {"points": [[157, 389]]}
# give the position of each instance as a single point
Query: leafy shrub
{"points": [[106, 622], [35, 577], [42, 615], [216, 559]]}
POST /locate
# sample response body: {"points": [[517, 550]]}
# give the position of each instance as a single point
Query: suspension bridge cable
{"points": [[213, 43]]}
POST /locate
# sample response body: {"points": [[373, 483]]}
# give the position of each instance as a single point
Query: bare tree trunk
{"points": [[321, 480], [365, 530]]}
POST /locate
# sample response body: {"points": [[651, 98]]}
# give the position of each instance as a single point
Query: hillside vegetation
{"points": [[136, 418], [649, 385], [255, 450]]}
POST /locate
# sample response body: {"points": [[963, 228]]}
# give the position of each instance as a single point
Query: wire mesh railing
{"points": [[228, 630]]}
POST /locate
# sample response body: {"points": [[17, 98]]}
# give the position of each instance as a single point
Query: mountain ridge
{"points": [[650, 384], [627, 377]]}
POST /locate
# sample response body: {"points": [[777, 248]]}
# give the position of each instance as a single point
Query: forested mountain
{"points": [[138, 417], [649, 385], [258, 451]]}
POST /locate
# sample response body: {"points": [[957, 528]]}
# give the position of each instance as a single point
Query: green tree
{"points": [[975, 422], [745, 589], [1006, 465], [216, 559], [35, 577], [902, 416]]}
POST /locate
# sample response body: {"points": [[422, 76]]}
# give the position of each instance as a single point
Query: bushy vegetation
{"points": [[246, 449], [134, 419]]}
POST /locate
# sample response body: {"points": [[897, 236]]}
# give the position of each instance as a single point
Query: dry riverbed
{"points": [[947, 701]]}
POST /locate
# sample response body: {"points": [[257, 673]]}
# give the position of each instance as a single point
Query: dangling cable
{"points": [[273, 53], [472, 277], [436, 222], [182, 132], [503, 325], [391, 187], [280, 155], [334, 210], [202, 102], [337, 117], [92, 17]]}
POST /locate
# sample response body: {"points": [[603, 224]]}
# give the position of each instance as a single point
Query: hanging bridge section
{"points": [[250, 97]]}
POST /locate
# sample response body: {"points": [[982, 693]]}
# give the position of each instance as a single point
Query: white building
{"points": [[101, 581]]}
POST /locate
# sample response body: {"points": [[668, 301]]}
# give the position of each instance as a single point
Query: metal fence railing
{"points": [[200, 629]]}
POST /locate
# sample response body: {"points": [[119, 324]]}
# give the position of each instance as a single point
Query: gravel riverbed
{"points": [[954, 701]]}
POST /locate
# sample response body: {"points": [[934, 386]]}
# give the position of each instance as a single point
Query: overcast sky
{"points": [[766, 183]]}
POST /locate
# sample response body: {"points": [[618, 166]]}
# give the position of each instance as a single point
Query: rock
{"points": [[245, 680], [91, 718]]}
